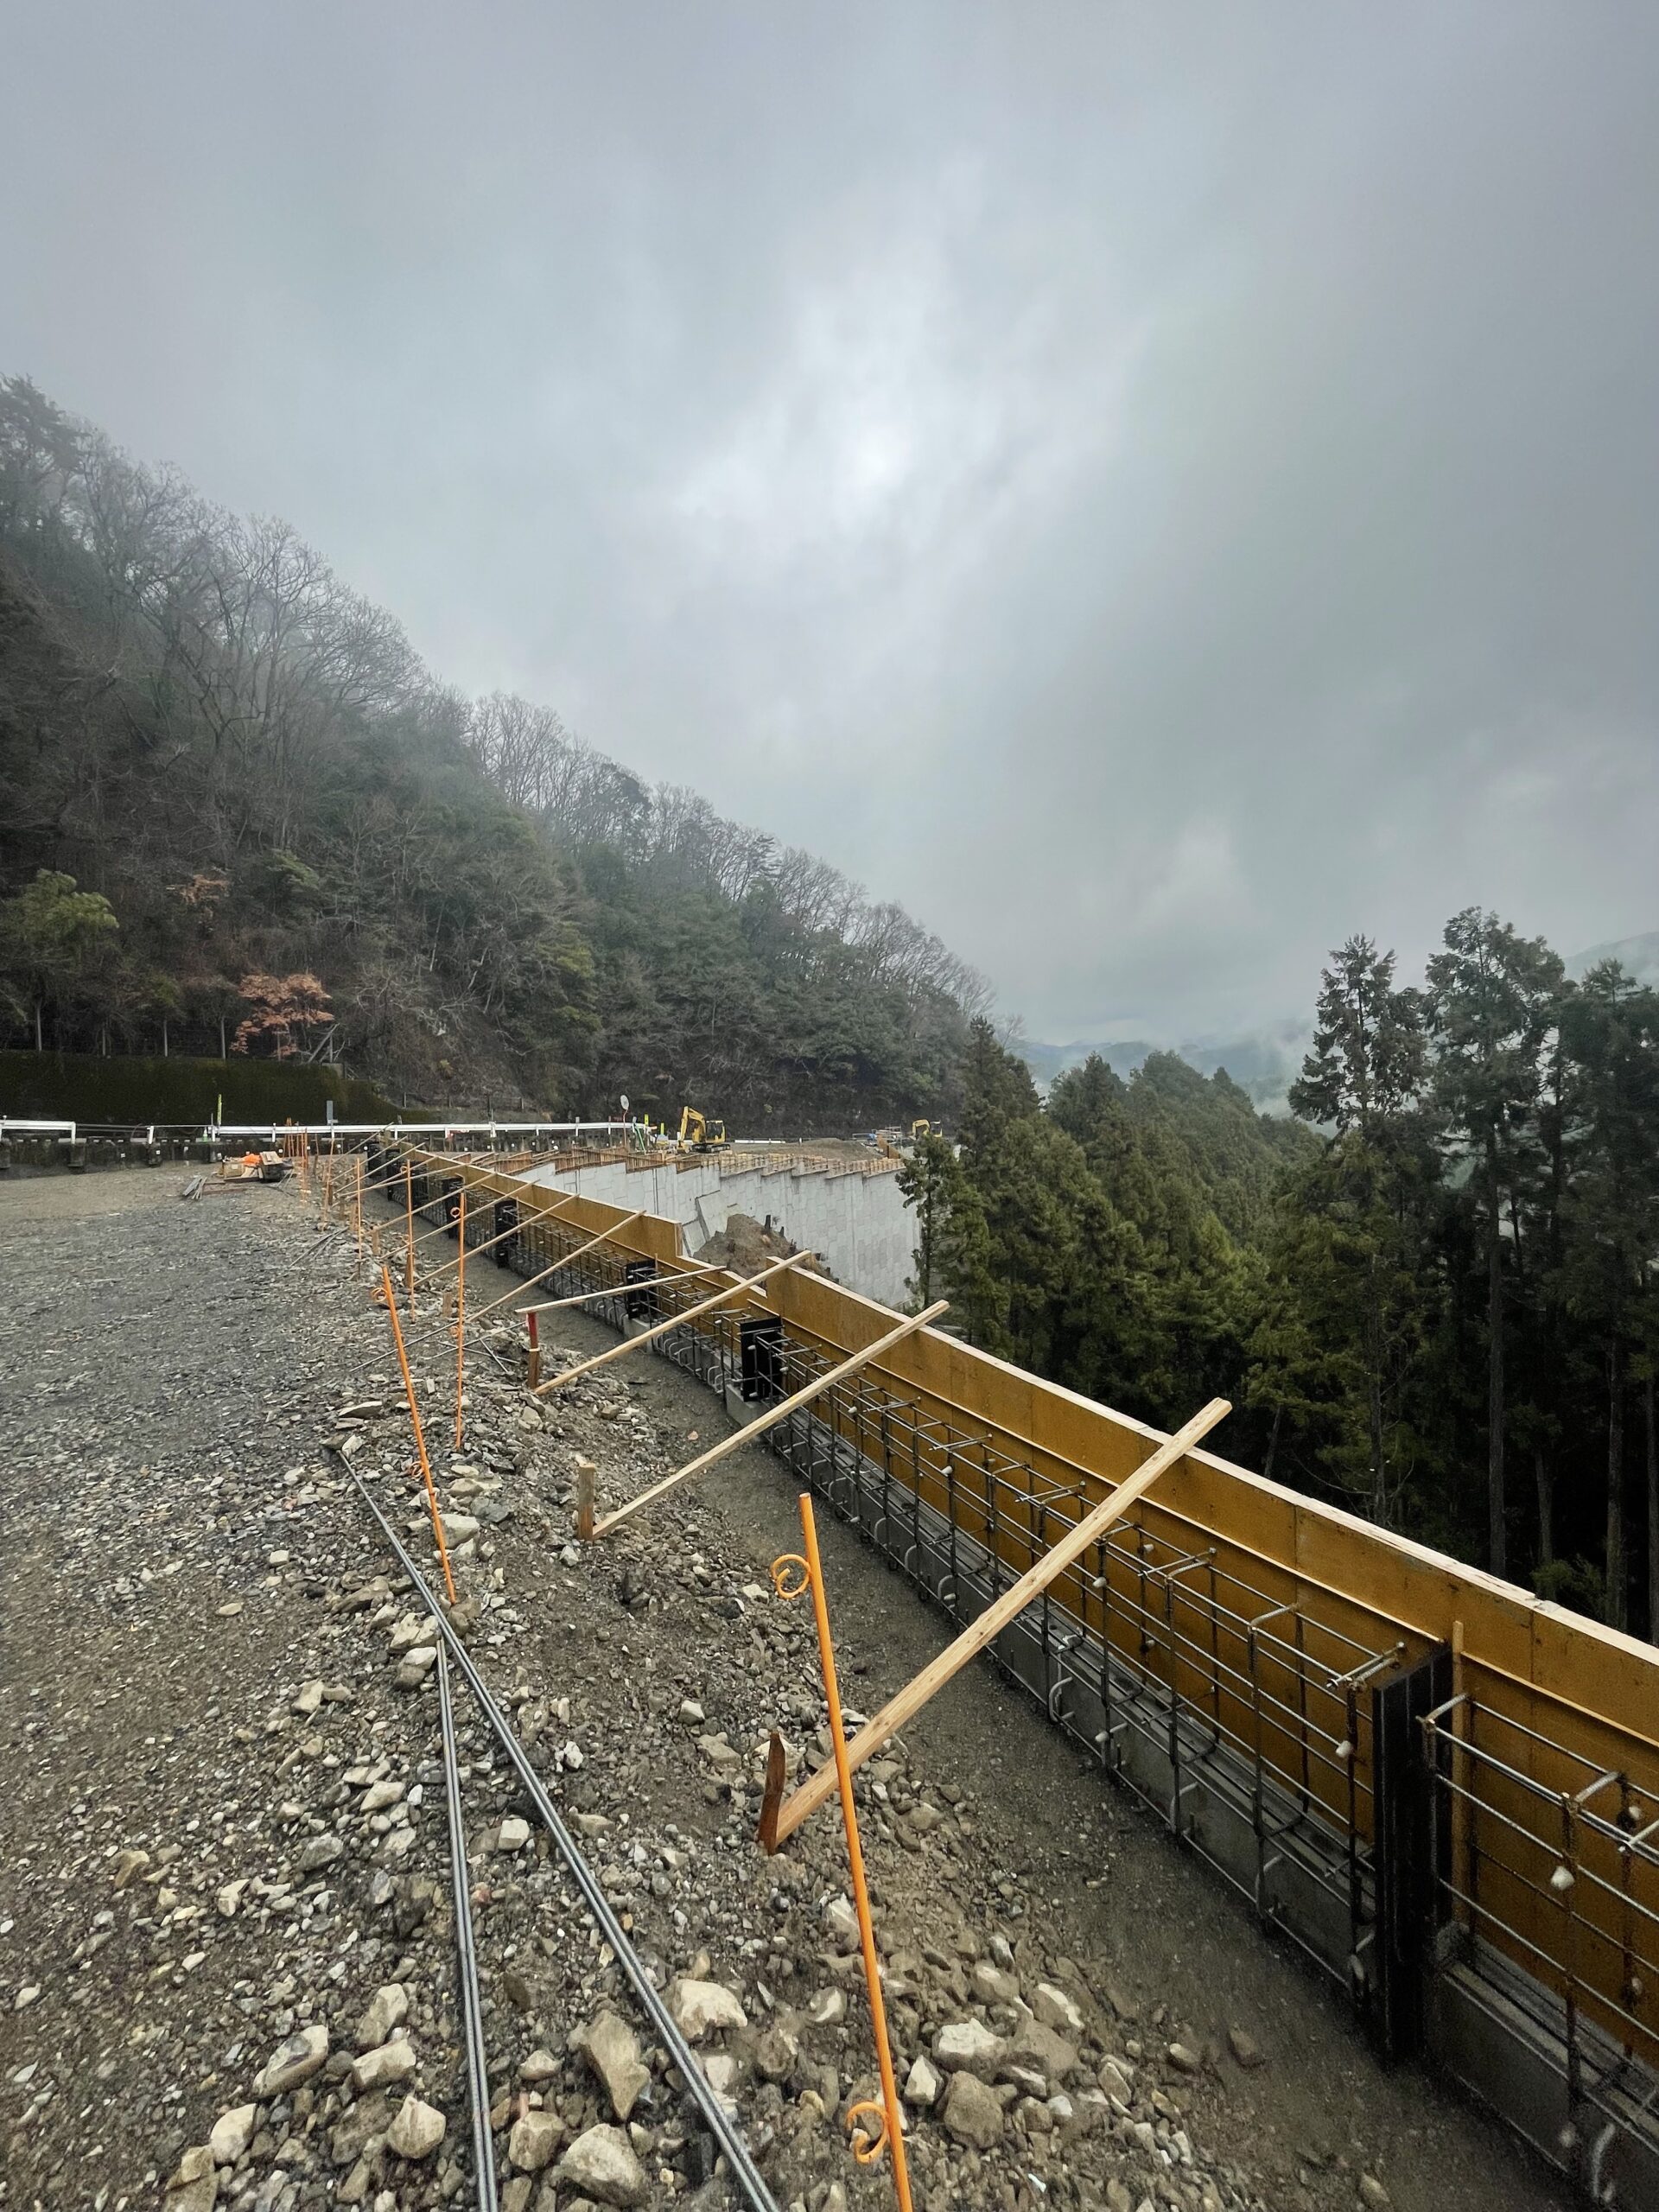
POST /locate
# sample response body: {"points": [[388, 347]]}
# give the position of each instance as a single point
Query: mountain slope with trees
{"points": [[241, 815], [1433, 1298]]}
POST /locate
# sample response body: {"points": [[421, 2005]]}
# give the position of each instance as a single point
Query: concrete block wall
{"points": [[861, 1223]]}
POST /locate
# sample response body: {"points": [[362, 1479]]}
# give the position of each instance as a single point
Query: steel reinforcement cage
{"points": [[1444, 1791]]}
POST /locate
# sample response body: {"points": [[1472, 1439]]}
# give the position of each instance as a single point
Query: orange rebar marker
{"points": [[790, 1575], [420, 1434]]}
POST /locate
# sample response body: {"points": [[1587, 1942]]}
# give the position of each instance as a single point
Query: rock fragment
{"points": [[600, 2164], [416, 2129]]}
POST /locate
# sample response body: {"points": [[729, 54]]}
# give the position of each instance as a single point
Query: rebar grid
{"points": [[1586, 1868]]}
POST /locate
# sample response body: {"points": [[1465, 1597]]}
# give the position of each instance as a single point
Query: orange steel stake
{"points": [[790, 1575], [420, 1434], [460, 1317]]}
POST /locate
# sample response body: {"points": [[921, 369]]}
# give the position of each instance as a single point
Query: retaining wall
{"points": [[860, 1223]]}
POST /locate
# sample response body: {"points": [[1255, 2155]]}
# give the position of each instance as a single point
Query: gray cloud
{"points": [[1153, 489]]}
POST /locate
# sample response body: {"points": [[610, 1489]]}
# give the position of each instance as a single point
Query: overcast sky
{"points": [[1156, 488]]}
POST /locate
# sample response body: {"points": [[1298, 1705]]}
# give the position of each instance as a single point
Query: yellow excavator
{"points": [[923, 1127], [698, 1133]]}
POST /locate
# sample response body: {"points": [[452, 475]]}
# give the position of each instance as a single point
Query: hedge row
{"points": [[85, 1087]]}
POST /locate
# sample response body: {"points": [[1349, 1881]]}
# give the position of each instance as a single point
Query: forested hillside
{"points": [[1434, 1299], [239, 811]]}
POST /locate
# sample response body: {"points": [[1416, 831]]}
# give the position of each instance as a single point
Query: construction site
{"points": [[1169, 1838]]}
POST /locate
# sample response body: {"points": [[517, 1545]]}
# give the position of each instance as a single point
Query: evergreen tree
{"points": [[1612, 1034], [1493, 998]]}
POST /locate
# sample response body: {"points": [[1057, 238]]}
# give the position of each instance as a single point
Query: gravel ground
{"points": [[226, 1955]]}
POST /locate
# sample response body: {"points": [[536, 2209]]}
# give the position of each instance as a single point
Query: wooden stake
{"points": [[408, 1252], [779, 1821], [533, 1360], [646, 1336], [770, 1419], [569, 1259], [586, 1487]]}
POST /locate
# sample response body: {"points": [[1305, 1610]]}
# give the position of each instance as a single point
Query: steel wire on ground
{"points": [[478, 2070], [745, 2174]]}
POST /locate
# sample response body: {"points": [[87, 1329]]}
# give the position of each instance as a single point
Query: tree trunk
{"points": [[40, 1044], [222, 1054], [1497, 1545], [1273, 1443], [1653, 1509], [1545, 1478], [1617, 1609]]}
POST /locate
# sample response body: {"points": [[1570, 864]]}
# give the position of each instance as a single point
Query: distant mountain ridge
{"points": [[1265, 1062]]}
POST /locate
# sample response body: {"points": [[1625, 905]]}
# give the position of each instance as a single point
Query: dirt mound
{"points": [[744, 1245]]}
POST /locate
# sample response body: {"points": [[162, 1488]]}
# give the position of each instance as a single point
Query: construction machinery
{"points": [[253, 1167], [698, 1133], [923, 1127]]}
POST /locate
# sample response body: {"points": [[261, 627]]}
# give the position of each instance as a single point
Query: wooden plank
{"points": [[530, 1281], [771, 1419], [778, 1822], [676, 1321]]}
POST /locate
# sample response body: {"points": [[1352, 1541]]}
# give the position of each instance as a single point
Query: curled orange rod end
{"points": [[790, 1575], [867, 2148]]}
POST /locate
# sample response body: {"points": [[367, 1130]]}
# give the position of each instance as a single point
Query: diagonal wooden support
{"points": [[385, 1182], [530, 1281], [621, 1289], [780, 1819], [771, 1419], [525, 1222], [675, 1321]]}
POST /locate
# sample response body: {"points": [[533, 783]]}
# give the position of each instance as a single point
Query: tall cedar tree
{"points": [[1492, 1000]]}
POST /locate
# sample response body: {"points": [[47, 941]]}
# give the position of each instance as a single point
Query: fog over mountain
{"points": [[1154, 490]]}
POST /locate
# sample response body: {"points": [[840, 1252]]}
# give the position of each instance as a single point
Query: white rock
{"points": [[381, 1795], [417, 1665], [378, 2069], [600, 2164], [922, 2084], [386, 2011], [968, 2047], [513, 1834], [292, 2062], [842, 1923], [232, 2131], [704, 2008], [417, 2129], [612, 2049], [534, 2140], [1056, 2010]]}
